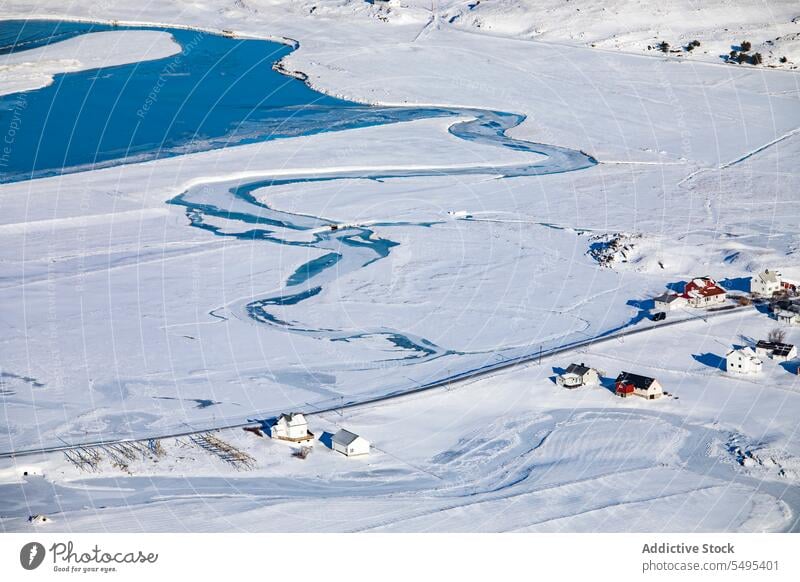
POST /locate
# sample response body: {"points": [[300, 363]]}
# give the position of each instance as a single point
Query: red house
{"points": [[704, 292]]}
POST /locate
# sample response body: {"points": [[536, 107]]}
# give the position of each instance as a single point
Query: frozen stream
{"points": [[349, 247]]}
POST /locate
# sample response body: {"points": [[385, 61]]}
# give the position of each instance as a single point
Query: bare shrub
{"points": [[302, 452], [777, 335]]}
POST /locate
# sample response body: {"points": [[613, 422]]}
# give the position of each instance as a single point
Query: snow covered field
{"points": [[507, 453], [122, 320], [35, 68]]}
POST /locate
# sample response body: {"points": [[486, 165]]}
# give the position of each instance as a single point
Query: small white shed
{"points": [[350, 444], [788, 317], [778, 351], [743, 361], [669, 301]]}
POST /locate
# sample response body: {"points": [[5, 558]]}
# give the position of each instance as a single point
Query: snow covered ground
{"points": [[122, 320], [510, 452], [35, 68]]}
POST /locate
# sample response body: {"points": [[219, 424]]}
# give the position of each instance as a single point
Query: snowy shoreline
{"points": [[35, 68]]}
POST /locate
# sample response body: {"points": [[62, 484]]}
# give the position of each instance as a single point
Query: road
{"points": [[446, 382]]}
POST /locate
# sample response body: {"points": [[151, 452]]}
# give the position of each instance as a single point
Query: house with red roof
{"points": [[704, 292], [628, 384]]}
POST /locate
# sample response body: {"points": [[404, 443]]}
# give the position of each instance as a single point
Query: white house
{"points": [[291, 427], [766, 283], [778, 351], [350, 444], [786, 316], [669, 301], [577, 375], [742, 361]]}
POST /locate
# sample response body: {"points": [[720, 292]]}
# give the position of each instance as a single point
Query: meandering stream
{"points": [[219, 92]]}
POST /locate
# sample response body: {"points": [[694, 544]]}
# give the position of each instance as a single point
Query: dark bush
{"points": [[746, 46], [777, 335], [756, 59]]}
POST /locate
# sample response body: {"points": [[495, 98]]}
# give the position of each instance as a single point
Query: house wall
{"points": [[654, 390], [703, 301], [568, 380], [763, 287], [739, 364], [671, 306], [360, 446], [790, 356], [298, 431]]}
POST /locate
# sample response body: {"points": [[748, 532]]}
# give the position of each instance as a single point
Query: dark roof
{"points": [[640, 382], [344, 437], [667, 297], [578, 369], [777, 348], [787, 304]]}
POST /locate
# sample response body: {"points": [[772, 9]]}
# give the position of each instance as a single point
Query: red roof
{"points": [[702, 286]]}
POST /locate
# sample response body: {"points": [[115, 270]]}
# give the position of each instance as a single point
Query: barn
{"points": [[350, 444], [627, 384]]}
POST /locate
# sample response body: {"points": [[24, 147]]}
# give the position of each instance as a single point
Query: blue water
{"points": [[217, 92], [18, 35], [311, 268]]}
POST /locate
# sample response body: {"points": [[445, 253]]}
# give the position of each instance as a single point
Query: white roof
{"points": [[746, 351], [769, 276], [292, 418]]}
